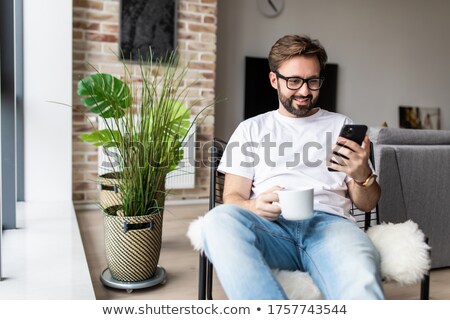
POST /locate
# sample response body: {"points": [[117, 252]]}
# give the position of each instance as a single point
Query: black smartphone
{"points": [[354, 132]]}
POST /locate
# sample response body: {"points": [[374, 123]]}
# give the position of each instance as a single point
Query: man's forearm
{"points": [[239, 200], [365, 198]]}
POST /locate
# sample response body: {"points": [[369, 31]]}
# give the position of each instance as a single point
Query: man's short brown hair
{"points": [[296, 45]]}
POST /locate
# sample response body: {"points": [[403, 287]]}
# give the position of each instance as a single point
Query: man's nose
{"points": [[303, 90]]}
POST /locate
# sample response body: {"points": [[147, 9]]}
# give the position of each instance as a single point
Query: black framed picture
{"points": [[419, 117], [147, 29]]}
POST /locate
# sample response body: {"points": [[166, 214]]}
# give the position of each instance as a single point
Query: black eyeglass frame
{"points": [[279, 75]]}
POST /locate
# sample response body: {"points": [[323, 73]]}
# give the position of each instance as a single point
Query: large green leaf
{"points": [[100, 138], [105, 95], [178, 156], [179, 123]]}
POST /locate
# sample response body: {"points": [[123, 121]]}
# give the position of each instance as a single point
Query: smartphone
{"points": [[354, 132]]}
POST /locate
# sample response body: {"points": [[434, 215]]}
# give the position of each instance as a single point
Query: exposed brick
{"points": [[85, 167], [90, 177], [203, 66], [77, 196], [208, 37], [85, 25], [78, 56], [110, 28], [112, 6], [201, 46], [190, 16], [113, 69], [202, 28], [78, 13], [78, 158], [188, 56], [100, 56], [101, 37], [85, 186], [93, 16], [92, 158], [78, 35], [93, 196], [209, 19], [77, 176], [188, 35], [83, 147], [86, 46], [111, 48], [97, 5], [208, 57], [206, 9]]}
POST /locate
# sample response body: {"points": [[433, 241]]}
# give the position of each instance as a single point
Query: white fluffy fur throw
{"points": [[404, 257]]}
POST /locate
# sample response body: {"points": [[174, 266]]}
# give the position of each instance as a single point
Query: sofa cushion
{"points": [[400, 136]]}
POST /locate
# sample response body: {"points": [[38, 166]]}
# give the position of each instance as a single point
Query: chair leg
{"points": [[425, 283], [202, 276], [425, 288], [205, 278], [209, 280]]}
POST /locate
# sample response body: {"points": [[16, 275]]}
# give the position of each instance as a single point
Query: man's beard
{"points": [[303, 111]]}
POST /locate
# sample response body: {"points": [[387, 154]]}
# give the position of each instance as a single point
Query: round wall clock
{"points": [[270, 8]]}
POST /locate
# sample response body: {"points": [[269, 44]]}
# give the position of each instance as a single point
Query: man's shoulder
{"points": [[332, 114], [261, 117], [260, 120], [325, 114]]}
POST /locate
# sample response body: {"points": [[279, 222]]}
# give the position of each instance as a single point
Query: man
{"points": [[287, 148]]}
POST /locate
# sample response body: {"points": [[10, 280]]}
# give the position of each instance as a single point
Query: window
{"points": [[11, 113]]}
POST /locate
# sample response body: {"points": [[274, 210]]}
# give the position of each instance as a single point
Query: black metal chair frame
{"points": [[363, 219]]}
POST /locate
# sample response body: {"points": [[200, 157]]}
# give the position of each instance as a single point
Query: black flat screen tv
{"points": [[260, 97]]}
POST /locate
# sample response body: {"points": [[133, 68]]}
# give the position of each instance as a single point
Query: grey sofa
{"points": [[414, 175]]}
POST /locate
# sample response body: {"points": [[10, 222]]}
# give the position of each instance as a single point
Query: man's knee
{"points": [[222, 213], [224, 218], [225, 225]]}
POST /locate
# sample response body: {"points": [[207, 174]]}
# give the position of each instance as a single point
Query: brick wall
{"points": [[96, 43]]}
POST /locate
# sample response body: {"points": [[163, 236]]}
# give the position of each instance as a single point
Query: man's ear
{"points": [[273, 80]]}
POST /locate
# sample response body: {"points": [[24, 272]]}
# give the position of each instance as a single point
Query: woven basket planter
{"points": [[109, 190], [133, 245]]}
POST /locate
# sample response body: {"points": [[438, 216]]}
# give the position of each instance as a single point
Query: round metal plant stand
{"points": [[159, 278]]}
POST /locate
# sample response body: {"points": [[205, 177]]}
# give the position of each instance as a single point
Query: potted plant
{"points": [[146, 122]]}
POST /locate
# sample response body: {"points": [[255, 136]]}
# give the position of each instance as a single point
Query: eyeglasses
{"points": [[295, 83]]}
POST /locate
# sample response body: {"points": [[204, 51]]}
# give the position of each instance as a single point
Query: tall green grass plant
{"points": [[146, 122]]}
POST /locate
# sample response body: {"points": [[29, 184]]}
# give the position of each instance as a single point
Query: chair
{"points": [[364, 220]]}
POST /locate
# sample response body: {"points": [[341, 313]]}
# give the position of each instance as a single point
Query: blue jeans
{"points": [[243, 247]]}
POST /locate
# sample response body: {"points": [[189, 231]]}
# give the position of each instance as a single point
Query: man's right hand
{"points": [[263, 205], [237, 191]]}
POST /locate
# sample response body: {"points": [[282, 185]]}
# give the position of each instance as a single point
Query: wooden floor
{"points": [[181, 262]]}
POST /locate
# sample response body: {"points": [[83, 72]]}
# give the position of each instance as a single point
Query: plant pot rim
{"points": [[112, 212]]}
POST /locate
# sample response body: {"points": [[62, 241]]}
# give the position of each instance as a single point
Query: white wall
{"points": [[48, 77], [389, 53]]}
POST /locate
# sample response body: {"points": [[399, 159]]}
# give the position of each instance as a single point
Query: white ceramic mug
{"points": [[296, 204]]}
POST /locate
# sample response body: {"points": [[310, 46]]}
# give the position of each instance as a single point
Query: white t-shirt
{"points": [[272, 149]]}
